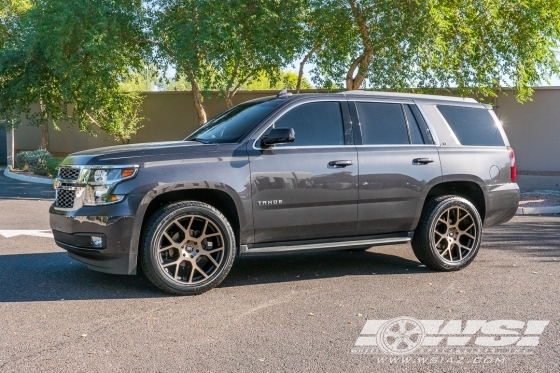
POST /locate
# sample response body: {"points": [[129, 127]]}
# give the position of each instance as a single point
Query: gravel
{"points": [[540, 199]]}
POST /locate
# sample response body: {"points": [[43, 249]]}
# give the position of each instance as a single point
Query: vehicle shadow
{"points": [[54, 276], [319, 265], [538, 238]]}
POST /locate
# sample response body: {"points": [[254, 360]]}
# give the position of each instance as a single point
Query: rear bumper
{"points": [[113, 255], [502, 204]]}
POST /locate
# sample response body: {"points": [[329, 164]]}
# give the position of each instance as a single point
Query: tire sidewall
{"points": [[155, 235], [440, 208]]}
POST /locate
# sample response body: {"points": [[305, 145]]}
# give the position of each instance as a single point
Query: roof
{"points": [[408, 95]]}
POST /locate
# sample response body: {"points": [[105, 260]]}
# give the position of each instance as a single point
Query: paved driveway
{"points": [[295, 313]]}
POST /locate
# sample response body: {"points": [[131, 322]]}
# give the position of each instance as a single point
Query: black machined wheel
{"points": [[448, 235], [187, 248]]}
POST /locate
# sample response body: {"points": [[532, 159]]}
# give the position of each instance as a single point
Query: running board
{"points": [[244, 250]]}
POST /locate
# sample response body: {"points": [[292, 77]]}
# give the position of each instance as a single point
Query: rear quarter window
{"points": [[472, 126]]}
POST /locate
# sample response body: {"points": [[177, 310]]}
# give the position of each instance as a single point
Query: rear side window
{"points": [[382, 124], [317, 123], [472, 126]]}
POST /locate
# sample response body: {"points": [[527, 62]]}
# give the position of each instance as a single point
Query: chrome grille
{"points": [[68, 173], [65, 198]]}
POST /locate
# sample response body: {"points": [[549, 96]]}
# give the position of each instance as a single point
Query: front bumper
{"points": [[73, 233]]}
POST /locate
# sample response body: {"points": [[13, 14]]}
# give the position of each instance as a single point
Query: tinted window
{"points": [[382, 123], [231, 125], [415, 134], [317, 123], [414, 116], [472, 126]]}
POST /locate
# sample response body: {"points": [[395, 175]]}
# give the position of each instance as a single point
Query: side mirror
{"points": [[278, 136]]}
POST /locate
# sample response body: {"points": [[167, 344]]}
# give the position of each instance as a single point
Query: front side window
{"points": [[314, 124], [231, 125]]}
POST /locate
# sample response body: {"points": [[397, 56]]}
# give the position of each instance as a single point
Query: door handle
{"points": [[422, 160], [337, 164]]}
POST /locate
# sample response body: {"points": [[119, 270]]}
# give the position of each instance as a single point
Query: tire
{"points": [[187, 248], [448, 235]]}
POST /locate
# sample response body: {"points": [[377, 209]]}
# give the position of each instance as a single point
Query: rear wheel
{"points": [[448, 235], [187, 248]]}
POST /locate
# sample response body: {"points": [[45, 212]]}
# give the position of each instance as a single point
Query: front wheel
{"points": [[448, 235], [187, 248]]}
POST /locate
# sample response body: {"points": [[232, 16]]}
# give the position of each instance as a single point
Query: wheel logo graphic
{"points": [[402, 335]]}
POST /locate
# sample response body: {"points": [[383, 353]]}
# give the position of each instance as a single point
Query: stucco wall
{"points": [[533, 128]]}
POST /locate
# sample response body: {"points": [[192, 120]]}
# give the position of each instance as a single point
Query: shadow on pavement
{"points": [[539, 238], [54, 276], [15, 189]]}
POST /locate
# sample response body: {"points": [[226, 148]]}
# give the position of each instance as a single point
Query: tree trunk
{"points": [[362, 62], [197, 99], [44, 126], [229, 101], [301, 65]]}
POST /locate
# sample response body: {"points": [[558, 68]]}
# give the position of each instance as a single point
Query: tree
{"points": [[10, 11], [286, 79], [225, 44], [70, 59], [249, 39], [475, 45]]}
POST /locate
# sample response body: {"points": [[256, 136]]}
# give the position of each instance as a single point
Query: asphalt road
{"points": [[295, 313]]}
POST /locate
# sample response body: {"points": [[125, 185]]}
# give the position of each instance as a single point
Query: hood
{"points": [[137, 154]]}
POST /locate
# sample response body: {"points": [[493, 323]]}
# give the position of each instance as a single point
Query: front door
{"points": [[306, 189]]}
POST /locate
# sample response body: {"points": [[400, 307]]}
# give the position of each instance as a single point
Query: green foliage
{"points": [[10, 11], [224, 44], [287, 79], [71, 59], [36, 161], [53, 164], [474, 45], [20, 161]]}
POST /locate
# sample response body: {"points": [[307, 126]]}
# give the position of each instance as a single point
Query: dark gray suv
{"points": [[291, 173]]}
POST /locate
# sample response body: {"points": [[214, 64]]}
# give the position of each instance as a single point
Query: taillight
{"points": [[513, 165]]}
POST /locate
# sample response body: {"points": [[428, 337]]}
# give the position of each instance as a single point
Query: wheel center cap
{"points": [[189, 249]]}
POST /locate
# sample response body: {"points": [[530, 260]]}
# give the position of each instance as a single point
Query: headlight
{"points": [[102, 182]]}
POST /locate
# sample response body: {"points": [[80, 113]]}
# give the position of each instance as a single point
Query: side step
{"points": [[322, 245]]}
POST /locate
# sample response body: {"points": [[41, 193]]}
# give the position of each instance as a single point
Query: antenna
{"points": [[283, 93]]}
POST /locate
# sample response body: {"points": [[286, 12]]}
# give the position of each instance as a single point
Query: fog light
{"points": [[96, 241]]}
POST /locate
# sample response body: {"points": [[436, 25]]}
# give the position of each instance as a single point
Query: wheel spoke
{"points": [[199, 270], [169, 264], [168, 237], [211, 259], [214, 250], [176, 271], [165, 248]]}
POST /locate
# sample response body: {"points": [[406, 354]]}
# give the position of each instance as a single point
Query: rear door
{"points": [[398, 163], [306, 189]]}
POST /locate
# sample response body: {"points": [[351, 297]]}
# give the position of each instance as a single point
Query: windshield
{"points": [[232, 124]]}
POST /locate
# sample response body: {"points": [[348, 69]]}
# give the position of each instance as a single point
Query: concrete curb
{"points": [[538, 210], [29, 179]]}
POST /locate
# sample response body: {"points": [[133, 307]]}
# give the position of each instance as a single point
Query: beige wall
{"points": [[533, 128], [170, 116]]}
